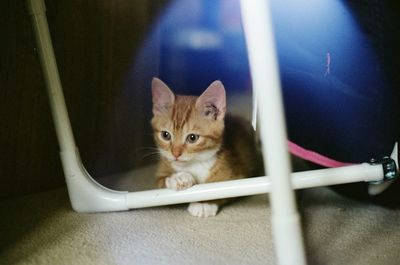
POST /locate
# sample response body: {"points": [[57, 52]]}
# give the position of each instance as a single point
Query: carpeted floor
{"points": [[42, 229]]}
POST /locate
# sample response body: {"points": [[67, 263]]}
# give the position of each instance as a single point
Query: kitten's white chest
{"points": [[199, 170]]}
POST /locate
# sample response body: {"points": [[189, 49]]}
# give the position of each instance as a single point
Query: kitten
{"points": [[198, 143]]}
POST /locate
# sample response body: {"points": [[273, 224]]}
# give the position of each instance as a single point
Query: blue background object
{"points": [[340, 99]]}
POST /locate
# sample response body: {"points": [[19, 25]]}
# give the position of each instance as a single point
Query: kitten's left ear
{"points": [[213, 101]]}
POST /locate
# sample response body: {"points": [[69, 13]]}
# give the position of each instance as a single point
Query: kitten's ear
{"points": [[163, 97], [213, 101]]}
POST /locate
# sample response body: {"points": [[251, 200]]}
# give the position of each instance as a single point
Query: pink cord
{"points": [[314, 157]]}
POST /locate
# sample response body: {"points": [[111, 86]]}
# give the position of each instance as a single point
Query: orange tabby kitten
{"points": [[198, 143]]}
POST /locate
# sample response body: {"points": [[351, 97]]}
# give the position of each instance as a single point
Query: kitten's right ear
{"points": [[163, 97]]}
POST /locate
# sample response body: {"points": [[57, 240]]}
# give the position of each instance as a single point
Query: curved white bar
{"points": [[258, 30], [86, 195]]}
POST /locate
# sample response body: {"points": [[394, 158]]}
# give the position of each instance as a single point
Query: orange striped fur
{"points": [[225, 143]]}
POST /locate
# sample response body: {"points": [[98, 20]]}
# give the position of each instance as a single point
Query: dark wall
{"points": [[95, 44]]}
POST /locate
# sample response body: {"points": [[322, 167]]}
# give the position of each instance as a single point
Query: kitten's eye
{"points": [[166, 135], [192, 138]]}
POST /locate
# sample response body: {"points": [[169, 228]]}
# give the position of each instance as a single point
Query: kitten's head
{"points": [[187, 128]]}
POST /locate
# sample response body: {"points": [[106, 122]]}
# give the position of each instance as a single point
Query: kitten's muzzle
{"points": [[176, 152]]}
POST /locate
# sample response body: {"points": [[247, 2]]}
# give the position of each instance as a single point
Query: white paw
{"points": [[203, 209], [180, 181]]}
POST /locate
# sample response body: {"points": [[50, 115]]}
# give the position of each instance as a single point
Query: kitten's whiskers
{"points": [[153, 153]]}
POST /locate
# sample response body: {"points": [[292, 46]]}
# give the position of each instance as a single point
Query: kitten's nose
{"points": [[177, 152]]}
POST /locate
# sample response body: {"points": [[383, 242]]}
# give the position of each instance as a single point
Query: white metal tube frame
{"points": [[286, 228], [86, 195]]}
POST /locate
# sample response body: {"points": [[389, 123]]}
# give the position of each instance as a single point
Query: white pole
{"points": [[258, 31], [37, 11], [86, 195]]}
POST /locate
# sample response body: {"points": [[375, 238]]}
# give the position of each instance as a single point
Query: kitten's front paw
{"points": [[203, 209], [180, 181]]}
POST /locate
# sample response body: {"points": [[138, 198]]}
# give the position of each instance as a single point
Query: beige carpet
{"points": [[42, 229]]}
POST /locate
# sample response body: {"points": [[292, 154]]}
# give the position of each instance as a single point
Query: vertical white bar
{"points": [[257, 24], [254, 113], [37, 11]]}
